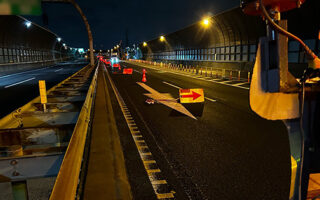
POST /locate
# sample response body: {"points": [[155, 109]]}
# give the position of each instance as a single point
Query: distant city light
{"points": [[144, 44], [59, 39], [81, 50], [162, 38], [28, 24]]}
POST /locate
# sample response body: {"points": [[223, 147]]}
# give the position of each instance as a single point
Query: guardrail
{"points": [[236, 75], [10, 120], [66, 184]]}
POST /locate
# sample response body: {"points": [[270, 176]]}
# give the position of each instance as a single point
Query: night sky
{"points": [[143, 20]]}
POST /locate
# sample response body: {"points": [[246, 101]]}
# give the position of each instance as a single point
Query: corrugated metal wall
{"points": [[22, 44]]}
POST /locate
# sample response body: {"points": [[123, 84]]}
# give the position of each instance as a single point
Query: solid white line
{"points": [[171, 85], [58, 70], [19, 82], [180, 88]]}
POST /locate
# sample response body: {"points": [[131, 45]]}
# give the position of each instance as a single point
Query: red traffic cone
{"points": [[144, 78]]}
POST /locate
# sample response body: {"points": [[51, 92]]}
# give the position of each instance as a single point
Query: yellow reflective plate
{"points": [[43, 92]]}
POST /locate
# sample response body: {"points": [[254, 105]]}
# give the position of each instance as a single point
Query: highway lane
{"points": [[227, 153], [19, 88]]}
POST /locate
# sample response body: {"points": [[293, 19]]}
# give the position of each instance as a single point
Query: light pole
{"points": [[85, 20]]}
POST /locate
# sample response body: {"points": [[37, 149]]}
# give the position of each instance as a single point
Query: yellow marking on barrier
{"points": [[159, 182], [142, 147], [165, 196], [134, 132], [43, 92], [150, 171], [137, 136], [140, 141], [149, 161], [293, 176], [146, 154]]}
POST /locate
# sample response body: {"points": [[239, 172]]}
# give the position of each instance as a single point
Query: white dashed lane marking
{"points": [[58, 70], [19, 82]]}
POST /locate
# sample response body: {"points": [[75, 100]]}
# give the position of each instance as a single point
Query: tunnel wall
{"points": [[23, 47], [232, 39]]}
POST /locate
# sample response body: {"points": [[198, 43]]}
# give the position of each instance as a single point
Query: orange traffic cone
{"points": [[144, 78]]}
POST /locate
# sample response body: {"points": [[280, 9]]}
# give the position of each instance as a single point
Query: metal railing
{"points": [[66, 184]]}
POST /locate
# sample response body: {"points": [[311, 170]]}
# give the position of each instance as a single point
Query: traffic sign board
{"points": [[191, 95], [20, 7], [127, 71]]}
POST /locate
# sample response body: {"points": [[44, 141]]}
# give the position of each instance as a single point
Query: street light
{"points": [[144, 44], [28, 24], [59, 39], [206, 22], [162, 38], [85, 20]]}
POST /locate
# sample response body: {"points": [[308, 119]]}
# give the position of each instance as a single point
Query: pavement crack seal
{"points": [[154, 173]]}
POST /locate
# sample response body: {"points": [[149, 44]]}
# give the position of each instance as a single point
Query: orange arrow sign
{"points": [[194, 95], [191, 95]]}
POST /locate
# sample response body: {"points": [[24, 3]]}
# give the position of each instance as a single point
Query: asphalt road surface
{"points": [[18, 89], [227, 153]]}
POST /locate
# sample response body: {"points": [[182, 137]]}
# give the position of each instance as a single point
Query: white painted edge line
{"points": [[209, 99], [143, 150], [19, 82], [58, 70]]}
